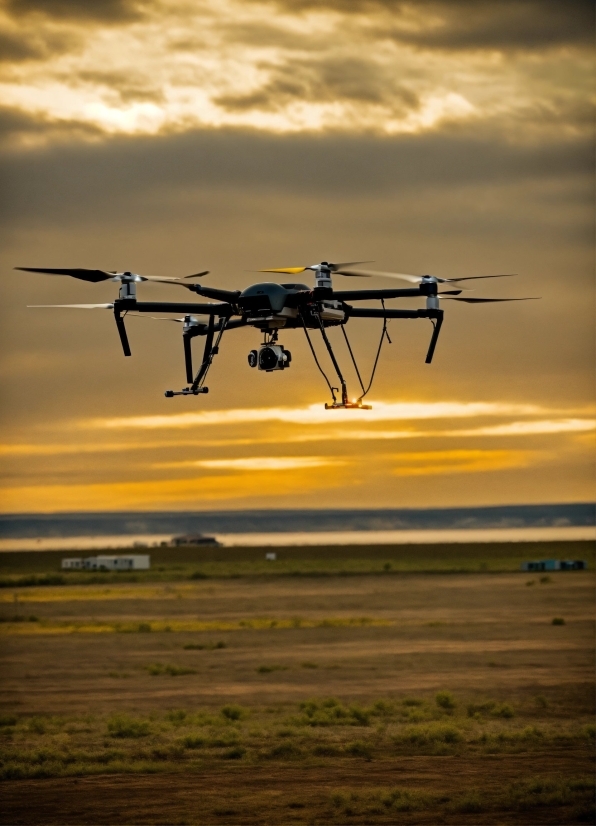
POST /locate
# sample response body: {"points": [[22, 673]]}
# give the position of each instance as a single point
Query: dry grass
{"points": [[363, 699]]}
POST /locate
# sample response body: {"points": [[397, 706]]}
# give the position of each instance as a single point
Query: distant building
{"points": [[194, 539], [132, 562], [271, 555], [555, 565], [72, 564]]}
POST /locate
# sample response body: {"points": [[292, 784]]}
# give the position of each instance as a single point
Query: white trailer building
{"points": [[131, 562]]}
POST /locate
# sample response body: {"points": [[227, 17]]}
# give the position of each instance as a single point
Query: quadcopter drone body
{"points": [[270, 307]]}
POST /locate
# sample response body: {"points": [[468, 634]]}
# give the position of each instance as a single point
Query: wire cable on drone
{"points": [[312, 350], [383, 334], [343, 329]]}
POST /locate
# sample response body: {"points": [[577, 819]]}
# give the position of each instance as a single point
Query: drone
{"points": [[271, 307]]}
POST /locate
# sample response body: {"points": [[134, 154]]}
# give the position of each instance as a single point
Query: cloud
{"points": [[441, 462], [326, 80], [52, 182], [258, 463], [503, 25], [193, 493], [104, 11], [546, 427], [316, 414]]}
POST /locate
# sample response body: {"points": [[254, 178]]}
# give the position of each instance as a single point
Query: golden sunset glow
{"points": [[175, 137]]}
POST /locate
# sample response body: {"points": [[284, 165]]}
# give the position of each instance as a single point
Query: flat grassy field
{"points": [[173, 564], [385, 696]]}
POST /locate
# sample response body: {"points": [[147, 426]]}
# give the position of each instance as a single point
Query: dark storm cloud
{"points": [[16, 125], [100, 10], [38, 45], [325, 80], [14, 49], [52, 183], [504, 25]]}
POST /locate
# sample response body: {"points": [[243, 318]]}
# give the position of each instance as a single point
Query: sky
{"points": [[451, 137]]}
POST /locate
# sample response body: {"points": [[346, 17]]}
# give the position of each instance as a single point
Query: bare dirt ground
{"points": [[359, 639]]}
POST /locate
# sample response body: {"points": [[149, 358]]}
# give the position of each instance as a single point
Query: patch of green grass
{"points": [[233, 712], [445, 700], [121, 725], [159, 669], [332, 712], [428, 734], [359, 748], [285, 751], [193, 741]]}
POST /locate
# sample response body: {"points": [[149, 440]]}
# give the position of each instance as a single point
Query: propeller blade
{"points": [[491, 300], [343, 264], [84, 275], [413, 279], [451, 292], [287, 270], [198, 274], [475, 277], [75, 306]]}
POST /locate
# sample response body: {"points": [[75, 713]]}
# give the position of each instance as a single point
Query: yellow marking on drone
{"points": [[288, 270]]}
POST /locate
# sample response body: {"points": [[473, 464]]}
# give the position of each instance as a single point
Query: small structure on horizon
{"points": [[555, 565], [130, 562], [271, 555], [194, 539]]}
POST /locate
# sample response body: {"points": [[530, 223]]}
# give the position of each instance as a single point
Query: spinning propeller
{"points": [[101, 275], [422, 279]]}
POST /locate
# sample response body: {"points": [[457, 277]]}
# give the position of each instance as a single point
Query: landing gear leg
{"points": [[345, 403], [209, 353]]}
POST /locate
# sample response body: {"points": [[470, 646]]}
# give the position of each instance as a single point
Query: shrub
{"points": [[309, 665], [177, 717], [541, 701], [232, 712], [159, 669], [191, 741], [544, 580], [284, 750], [412, 701], [430, 733], [8, 720], [36, 725], [236, 753], [558, 621], [387, 566], [144, 628], [359, 749], [503, 710], [267, 669], [480, 708], [124, 726], [198, 575], [445, 700]]}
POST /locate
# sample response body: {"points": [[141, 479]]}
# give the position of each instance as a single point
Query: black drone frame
{"points": [[309, 305]]}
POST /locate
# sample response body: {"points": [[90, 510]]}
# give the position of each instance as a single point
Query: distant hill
{"points": [[17, 526]]}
